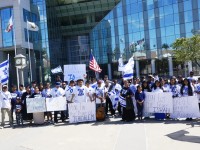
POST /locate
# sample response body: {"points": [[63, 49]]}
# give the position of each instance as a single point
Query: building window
{"points": [[7, 37]]}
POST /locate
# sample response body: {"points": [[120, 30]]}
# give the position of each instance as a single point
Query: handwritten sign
{"points": [[82, 112], [74, 72], [158, 103], [185, 107], [35, 105], [56, 104]]}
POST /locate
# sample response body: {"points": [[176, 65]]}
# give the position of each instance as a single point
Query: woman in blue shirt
{"points": [[140, 97]]}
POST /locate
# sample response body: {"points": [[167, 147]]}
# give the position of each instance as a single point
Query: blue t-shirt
{"points": [[139, 96]]}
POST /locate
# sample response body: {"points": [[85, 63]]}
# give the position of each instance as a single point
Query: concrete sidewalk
{"points": [[109, 135]]}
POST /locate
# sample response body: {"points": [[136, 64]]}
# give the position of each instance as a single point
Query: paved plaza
{"points": [[111, 134]]}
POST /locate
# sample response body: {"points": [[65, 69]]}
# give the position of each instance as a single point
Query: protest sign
{"points": [[56, 104], [82, 112], [74, 72], [35, 105], [185, 107], [158, 102]]}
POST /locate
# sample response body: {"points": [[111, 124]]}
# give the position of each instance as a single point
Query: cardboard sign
{"points": [[158, 102], [36, 105], [56, 104], [185, 107], [82, 112], [74, 72]]}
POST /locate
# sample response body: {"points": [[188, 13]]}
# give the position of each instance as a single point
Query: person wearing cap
{"points": [[80, 93], [57, 91], [99, 95], [5, 98]]}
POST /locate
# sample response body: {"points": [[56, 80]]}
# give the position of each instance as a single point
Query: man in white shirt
{"points": [[80, 93], [191, 77], [5, 98], [57, 91]]}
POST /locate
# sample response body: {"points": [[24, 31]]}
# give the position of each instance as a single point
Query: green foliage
{"points": [[187, 49]]}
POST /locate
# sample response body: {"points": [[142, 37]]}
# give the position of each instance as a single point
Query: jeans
{"points": [[140, 109], [3, 112]]}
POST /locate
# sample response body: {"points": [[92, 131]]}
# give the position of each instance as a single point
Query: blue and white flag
{"points": [[56, 70], [114, 97], [128, 69], [122, 101], [4, 72]]}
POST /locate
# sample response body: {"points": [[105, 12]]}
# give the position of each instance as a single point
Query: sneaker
{"points": [[1, 127]]}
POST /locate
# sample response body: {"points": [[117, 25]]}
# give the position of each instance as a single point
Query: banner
{"points": [[56, 104], [185, 107], [158, 102], [74, 72], [36, 105], [82, 112]]}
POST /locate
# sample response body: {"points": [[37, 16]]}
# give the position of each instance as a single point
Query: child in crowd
{"points": [[18, 112], [139, 97]]}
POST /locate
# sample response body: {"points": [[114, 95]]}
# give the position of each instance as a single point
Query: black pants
{"points": [[109, 105], [56, 117], [140, 109], [119, 108]]}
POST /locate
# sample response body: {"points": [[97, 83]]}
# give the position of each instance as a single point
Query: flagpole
{"points": [[29, 53], [14, 38], [8, 69]]}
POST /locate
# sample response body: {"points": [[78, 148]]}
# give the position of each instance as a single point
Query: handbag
{"points": [[100, 114]]}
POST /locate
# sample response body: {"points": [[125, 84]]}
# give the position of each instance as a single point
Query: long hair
{"points": [[147, 87], [190, 92], [154, 86]]}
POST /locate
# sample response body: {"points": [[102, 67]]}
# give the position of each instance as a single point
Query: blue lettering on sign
{"points": [[71, 76], [80, 92]]}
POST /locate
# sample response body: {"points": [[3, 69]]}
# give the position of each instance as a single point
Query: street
{"points": [[112, 134]]}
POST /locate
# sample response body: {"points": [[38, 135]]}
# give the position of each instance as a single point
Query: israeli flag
{"points": [[128, 69], [114, 99], [56, 70], [122, 101], [4, 72]]}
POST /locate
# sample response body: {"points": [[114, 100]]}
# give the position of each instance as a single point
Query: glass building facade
{"points": [[40, 39], [147, 29], [7, 37]]}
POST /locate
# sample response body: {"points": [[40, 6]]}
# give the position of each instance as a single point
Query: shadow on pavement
{"points": [[181, 136]]}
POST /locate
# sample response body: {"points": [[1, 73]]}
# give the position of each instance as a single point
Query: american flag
{"points": [[93, 64]]}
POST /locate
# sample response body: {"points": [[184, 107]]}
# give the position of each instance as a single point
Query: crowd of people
{"points": [[131, 93]]}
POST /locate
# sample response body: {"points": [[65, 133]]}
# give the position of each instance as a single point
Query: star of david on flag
{"points": [[4, 72]]}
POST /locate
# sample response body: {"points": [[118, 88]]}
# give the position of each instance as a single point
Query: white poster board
{"points": [[74, 72], [36, 105], [158, 102], [56, 104], [82, 112], [185, 107]]}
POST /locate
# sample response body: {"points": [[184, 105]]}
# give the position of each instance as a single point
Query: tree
{"points": [[187, 49]]}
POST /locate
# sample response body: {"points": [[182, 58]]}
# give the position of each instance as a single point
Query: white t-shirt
{"points": [[197, 89], [68, 92], [90, 92], [158, 90], [5, 99], [80, 94], [57, 92], [99, 91]]}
